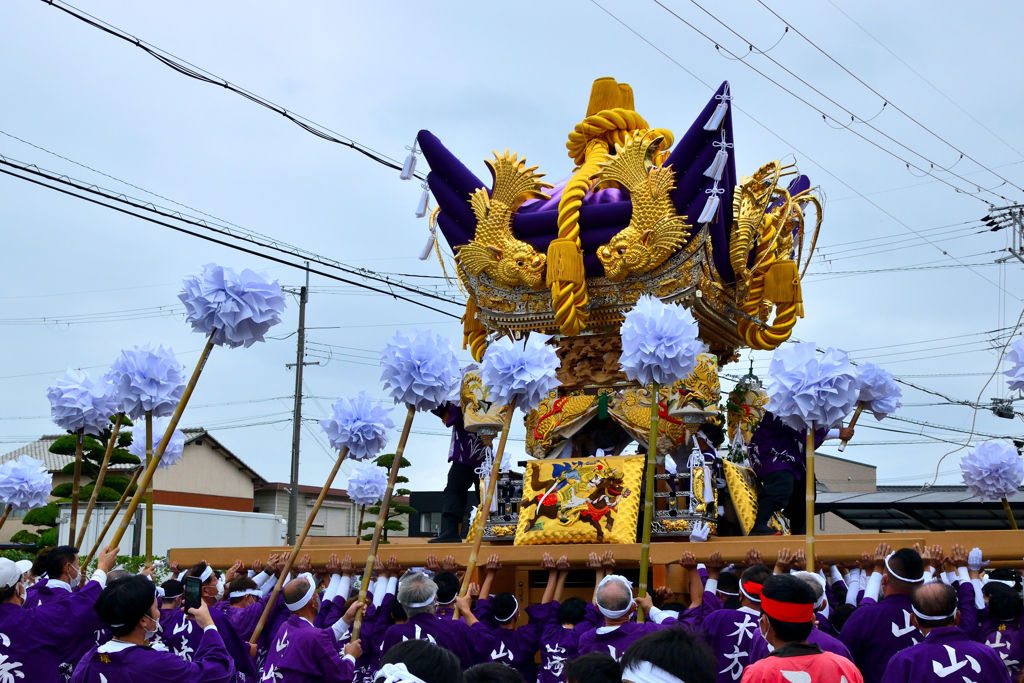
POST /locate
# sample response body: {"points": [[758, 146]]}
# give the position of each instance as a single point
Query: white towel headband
{"points": [[897, 576], [241, 594], [207, 573], [645, 672], [925, 617], [304, 600], [395, 673], [616, 614]]}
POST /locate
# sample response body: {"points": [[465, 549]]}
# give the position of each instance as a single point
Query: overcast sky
{"points": [[484, 76]]}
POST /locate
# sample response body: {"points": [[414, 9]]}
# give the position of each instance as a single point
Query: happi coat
{"points": [[471, 646], [947, 655], [876, 632], [303, 653], [117, 661], [559, 644], [804, 663]]}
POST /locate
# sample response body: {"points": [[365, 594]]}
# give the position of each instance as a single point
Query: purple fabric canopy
{"points": [[604, 213]]}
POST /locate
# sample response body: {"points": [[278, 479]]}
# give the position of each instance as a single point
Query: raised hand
{"points": [[663, 594], [959, 555], [257, 566], [474, 590], [784, 559], [393, 567], [800, 560], [547, 562], [881, 552], [608, 560], [431, 563], [594, 561], [333, 567], [305, 564], [378, 565], [754, 557], [346, 566], [866, 563], [493, 563], [174, 569], [715, 562], [689, 561], [563, 563], [448, 564]]}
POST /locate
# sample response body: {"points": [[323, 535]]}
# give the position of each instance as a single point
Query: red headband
{"points": [[790, 612], [753, 588]]}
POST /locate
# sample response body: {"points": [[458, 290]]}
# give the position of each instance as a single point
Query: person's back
{"points": [[947, 650], [614, 599], [515, 646], [787, 619], [876, 632], [733, 633], [1001, 630], [560, 639]]}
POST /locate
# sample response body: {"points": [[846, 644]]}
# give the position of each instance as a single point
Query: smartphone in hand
{"points": [[193, 592]]}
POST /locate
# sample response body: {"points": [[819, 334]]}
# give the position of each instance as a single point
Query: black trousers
{"points": [[781, 491], [461, 478]]}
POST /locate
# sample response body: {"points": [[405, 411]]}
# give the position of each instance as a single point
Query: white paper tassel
{"points": [[717, 117], [717, 166], [710, 209], [425, 254], [409, 167], [421, 208]]}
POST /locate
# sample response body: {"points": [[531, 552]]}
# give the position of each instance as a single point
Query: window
{"points": [[430, 523]]}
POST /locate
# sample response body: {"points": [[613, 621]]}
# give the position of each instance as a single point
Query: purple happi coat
{"points": [[874, 633], [947, 655], [471, 646], [37, 644], [302, 653], [371, 636], [517, 647], [559, 644], [734, 635], [776, 446], [466, 447], [817, 637], [614, 640], [181, 636], [118, 661], [1006, 640]]}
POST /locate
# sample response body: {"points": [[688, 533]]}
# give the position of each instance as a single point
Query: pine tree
{"points": [[395, 508]]}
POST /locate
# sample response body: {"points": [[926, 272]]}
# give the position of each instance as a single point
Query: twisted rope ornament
{"points": [[771, 336]]}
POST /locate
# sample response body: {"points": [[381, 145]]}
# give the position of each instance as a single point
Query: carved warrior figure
{"points": [[654, 232], [494, 249]]}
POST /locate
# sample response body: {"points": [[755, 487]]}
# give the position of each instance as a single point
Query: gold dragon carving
{"points": [[654, 232], [494, 249]]}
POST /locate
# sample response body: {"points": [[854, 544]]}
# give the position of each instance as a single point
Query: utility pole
{"points": [[293, 493]]}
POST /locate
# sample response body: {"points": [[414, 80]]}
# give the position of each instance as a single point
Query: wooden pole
{"points": [[7, 511], [484, 508], [359, 529], [75, 485], [113, 515], [111, 444], [295, 552], [652, 454], [149, 489], [1006, 506], [385, 505], [853, 423], [810, 497], [147, 476]]}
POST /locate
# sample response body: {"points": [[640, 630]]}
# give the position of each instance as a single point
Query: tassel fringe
{"points": [[565, 262]]}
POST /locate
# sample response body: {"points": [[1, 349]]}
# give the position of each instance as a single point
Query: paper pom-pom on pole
{"points": [[80, 405], [24, 485], [993, 470], [233, 310], [1015, 375], [806, 391], [421, 371], [366, 484], [878, 392], [659, 347], [357, 428], [517, 373], [98, 484]]}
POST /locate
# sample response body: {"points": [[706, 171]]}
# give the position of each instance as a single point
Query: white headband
{"points": [[731, 595], [241, 594], [447, 603], [748, 595], [929, 618], [207, 573], [304, 600], [645, 672], [426, 603], [897, 576], [160, 592], [616, 614], [509, 617], [395, 673]]}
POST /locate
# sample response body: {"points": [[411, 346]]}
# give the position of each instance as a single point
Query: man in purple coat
{"points": [[302, 653], [733, 634], [34, 641], [417, 594], [876, 632], [947, 654], [465, 454], [615, 601]]}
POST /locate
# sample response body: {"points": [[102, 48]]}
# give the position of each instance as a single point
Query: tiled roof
{"points": [[40, 450]]}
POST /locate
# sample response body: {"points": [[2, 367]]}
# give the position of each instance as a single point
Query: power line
{"points": [[794, 147], [198, 73], [177, 216], [887, 100]]}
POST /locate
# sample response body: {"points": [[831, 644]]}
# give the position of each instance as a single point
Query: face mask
{"points": [[220, 589], [764, 634], [77, 573], [156, 628]]}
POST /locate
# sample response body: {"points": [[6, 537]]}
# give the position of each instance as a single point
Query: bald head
{"points": [[934, 605], [295, 590], [614, 596], [115, 574]]}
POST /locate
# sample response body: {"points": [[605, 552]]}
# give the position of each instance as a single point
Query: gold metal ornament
{"points": [[654, 232], [494, 249]]}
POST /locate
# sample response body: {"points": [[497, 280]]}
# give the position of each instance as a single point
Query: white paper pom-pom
{"points": [[659, 342], [145, 378], [878, 390], [241, 307], [420, 369], [80, 402], [1015, 375], [359, 423], [992, 470], [175, 447], [524, 370], [24, 483], [805, 388], [367, 483]]}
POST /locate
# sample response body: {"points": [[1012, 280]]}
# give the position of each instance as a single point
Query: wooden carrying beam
{"points": [[1002, 547]]}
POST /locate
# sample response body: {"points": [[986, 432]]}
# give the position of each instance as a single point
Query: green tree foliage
{"points": [[44, 516], [24, 536], [395, 509]]}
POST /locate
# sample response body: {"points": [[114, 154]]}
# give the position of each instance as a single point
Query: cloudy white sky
{"points": [[484, 76]]}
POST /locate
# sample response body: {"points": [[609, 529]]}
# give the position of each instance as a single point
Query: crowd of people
{"points": [[915, 614]]}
